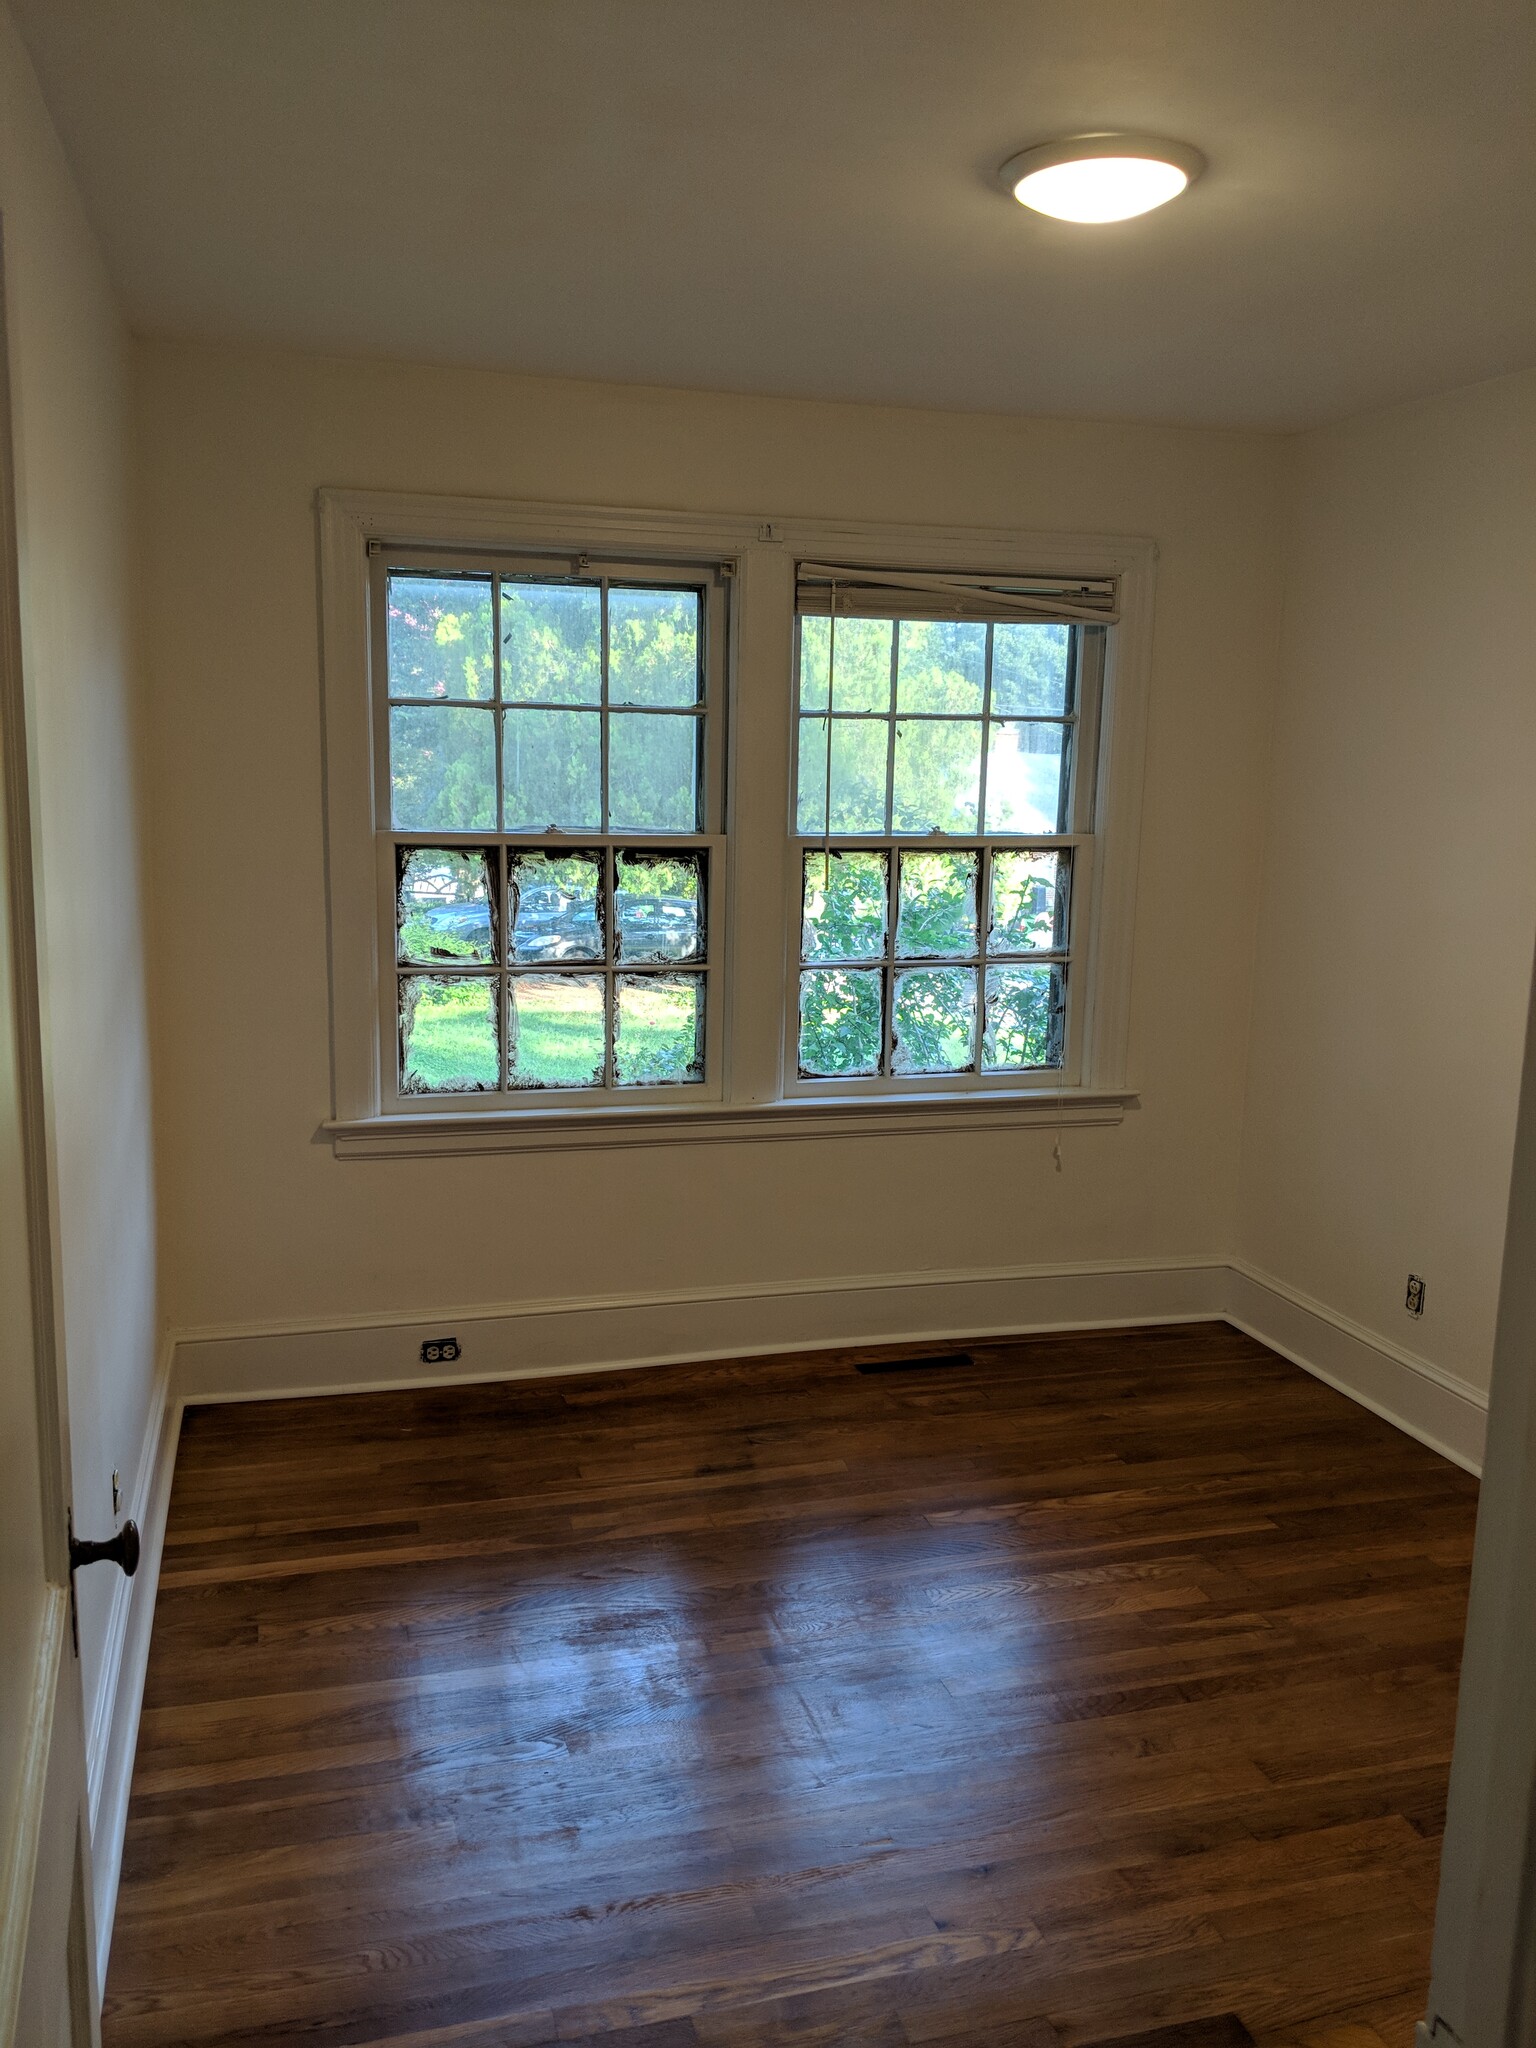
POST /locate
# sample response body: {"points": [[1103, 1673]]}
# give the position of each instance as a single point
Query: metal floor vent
{"points": [[928, 1362]]}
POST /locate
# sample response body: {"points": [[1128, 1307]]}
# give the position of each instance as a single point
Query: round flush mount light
{"points": [[1101, 177]]}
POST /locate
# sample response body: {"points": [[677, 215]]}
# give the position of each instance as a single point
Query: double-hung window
{"points": [[548, 780], [946, 761], [644, 827]]}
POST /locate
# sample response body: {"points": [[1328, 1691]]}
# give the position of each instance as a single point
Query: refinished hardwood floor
{"points": [[1104, 1683]]}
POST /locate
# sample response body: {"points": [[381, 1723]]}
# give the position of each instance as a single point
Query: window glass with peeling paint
{"points": [[933, 1014], [1029, 905], [658, 1029], [1023, 1017], [840, 1011], [936, 918], [445, 909], [843, 906], [556, 905], [449, 1036], [658, 906], [556, 1031]]}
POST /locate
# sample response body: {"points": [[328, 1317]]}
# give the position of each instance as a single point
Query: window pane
{"points": [[658, 1034], [941, 666], [936, 916], [653, 773], [439, 637], [443, 907], [843, 907], [1025, 778], [556, 901], [1029, 902], [1023, 1021], [840, 1021], [555, 1035], [858, 774], [653, 647], [551, 636], [658, 906], [442, 766], [938, 775], [448, 1042], [1029, 669], [861, 663], [934, 1017], [551, 764]]}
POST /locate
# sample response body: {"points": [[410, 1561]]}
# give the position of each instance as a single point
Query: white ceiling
{"points": [[795, 195]]}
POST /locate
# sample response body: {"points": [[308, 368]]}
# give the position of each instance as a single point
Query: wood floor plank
{"points": [[1101, 1685]]}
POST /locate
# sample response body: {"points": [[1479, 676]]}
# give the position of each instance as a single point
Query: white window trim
{"points": [[760, 938]]}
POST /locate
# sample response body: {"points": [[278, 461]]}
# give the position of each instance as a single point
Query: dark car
{"points": [[657, 927]]}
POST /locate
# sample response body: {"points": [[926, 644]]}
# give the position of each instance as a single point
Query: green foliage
{"points": [[653, 772], [840, 1021], [653, 647], [439, 637], [936, 915], [551, 641], [1023, 1020], [659, 1031], [443, 768], [844, 906], [1029, 669], [933, 1014], [1028, 902]]}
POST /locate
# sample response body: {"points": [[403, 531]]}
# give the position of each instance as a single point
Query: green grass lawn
{"points": [[450, 1038]]}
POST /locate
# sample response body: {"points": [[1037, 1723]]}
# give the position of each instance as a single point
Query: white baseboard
{"points": [[591, 1333], [114, 1719], [1443, 1411], [522, 1340]]}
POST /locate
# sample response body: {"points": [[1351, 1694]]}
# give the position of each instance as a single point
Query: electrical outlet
{"points": [[1414, 1300], [117, 1492], [440, 1351]]}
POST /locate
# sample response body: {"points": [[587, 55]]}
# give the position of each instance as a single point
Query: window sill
{"points": [[577, 1130]]}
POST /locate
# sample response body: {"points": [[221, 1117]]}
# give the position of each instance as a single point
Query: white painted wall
{"points": [[69, 371], [261, 1222], [1399, 899]]}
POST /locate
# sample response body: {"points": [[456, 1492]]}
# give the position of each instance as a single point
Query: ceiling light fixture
{"points": [[1101, 177]]}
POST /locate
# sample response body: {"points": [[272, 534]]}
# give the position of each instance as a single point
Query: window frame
{"points": [[754, 949]]}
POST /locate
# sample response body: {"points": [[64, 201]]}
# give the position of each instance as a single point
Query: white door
{"points": [[48, 1994]]}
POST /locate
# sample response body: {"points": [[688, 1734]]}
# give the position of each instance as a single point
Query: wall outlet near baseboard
{"points": [[1413, 1301], [440, 1351]]}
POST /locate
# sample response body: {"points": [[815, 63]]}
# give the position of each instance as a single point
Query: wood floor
{"points": [[1102, 1684]]}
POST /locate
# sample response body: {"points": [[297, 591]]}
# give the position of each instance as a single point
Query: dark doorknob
{"points": [[121, 1549]]}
